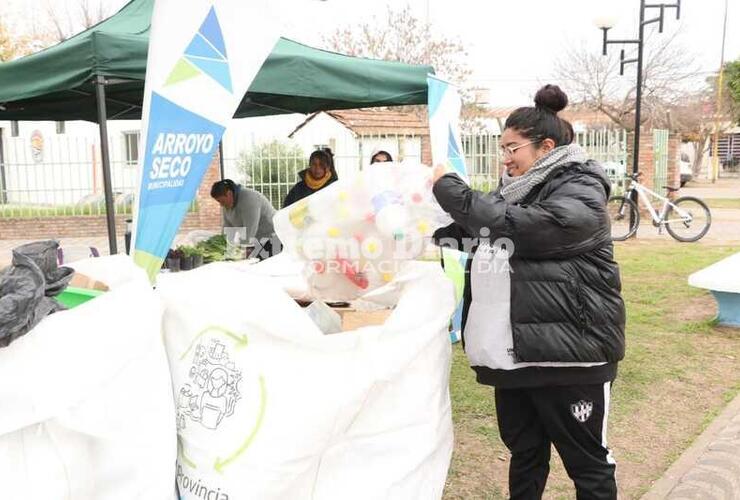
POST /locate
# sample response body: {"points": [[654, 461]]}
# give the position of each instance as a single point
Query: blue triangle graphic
{"points": [[436, 90], [218, 70], [452, 149], [211, 30], [453, 153], [199, 47]]}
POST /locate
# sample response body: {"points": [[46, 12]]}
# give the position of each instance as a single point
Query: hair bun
{"points": [[551, 98]]}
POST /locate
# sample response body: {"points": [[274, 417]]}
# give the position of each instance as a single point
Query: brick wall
{"points": [[674, 157], [647, 159], [207, 216], [426, 150]]}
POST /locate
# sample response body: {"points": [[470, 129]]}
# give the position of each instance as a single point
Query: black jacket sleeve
{"points": [[453, 236], [566, 221]]}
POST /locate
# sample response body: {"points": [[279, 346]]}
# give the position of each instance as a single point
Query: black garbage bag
{"points": [[44, 254], [27, 288]]}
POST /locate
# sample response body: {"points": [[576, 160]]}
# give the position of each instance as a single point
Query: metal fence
{"points": [[728, 151], [607, 146], [62, 178], [66, 178], [272, 167]]}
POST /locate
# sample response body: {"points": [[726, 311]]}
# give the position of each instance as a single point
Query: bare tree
{"points": [[56, 23], [694, 119], [74, 17], [400, 36], [669, 75], [698, 114]]}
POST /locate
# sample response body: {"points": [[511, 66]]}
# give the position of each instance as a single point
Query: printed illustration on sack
{"points": [[211, 391]]}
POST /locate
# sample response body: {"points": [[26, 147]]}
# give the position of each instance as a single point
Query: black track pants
{"points": [[574, 419]]}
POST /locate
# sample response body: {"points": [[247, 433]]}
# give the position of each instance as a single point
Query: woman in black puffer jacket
{"points": [[543, 317]]}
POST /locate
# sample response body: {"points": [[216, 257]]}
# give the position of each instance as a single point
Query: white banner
{"points": [[444, 107], [203, 55]]}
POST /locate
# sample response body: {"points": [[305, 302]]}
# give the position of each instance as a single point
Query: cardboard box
{"points": [[80, 280], [353, 319]]}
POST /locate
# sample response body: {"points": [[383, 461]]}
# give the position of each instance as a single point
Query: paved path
{"points": [[725, 228], [710, 468], [723, 188], [99, 242]]}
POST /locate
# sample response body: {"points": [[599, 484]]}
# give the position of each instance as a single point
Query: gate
{"points": [[660, 158]]}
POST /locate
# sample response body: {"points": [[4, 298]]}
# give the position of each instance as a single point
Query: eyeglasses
{"points": [[510, 150]]}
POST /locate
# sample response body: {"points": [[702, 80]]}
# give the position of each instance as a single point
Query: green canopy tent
{"points": [[99, 75]]}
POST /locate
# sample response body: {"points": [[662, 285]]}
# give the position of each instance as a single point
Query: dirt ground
{"points": [[661, 403], [639, 437]]}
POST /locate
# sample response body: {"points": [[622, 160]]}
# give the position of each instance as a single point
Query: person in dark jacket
{"points": [[319, 174], [543, 316]]}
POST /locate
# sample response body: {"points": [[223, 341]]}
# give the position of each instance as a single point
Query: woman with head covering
{"points": [[380, 156]]}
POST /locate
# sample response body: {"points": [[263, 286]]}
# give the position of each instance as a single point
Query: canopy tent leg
{"points": [[221, 157], [105, 157]]}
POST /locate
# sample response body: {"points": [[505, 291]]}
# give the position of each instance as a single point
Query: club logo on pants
{"points": [[582, 410]]}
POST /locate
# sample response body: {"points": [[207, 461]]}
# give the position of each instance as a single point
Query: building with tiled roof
{"points": [[354, 135]]}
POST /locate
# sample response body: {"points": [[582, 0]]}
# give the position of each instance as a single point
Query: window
{"points": [[14, 129], [61, 127], [131, 146]]}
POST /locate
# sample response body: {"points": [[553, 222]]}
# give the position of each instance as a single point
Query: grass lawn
{"points": [[26, 211], [723, 202], [679, 372]]}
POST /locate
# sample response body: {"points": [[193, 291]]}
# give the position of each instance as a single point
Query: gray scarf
{"points": [[515, 189]]}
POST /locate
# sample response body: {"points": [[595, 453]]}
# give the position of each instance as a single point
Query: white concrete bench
{"points": [[723, 280]]}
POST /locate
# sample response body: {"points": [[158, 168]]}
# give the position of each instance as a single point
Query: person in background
{"points": [[319, 174], [330, 154], [380, 156], [250, 209], [543, 318]]}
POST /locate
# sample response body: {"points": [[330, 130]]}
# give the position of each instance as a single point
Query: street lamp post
{"points": [[605, 27]]}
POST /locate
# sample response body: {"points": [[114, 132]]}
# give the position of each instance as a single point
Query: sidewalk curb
{"points": [[689, 458]]}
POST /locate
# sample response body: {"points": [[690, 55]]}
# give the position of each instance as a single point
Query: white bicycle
{"points": [[686, 218]]}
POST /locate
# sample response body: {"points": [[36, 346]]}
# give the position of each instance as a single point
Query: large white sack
{"points": [[86, 408], [112, 270], [269, 408]]}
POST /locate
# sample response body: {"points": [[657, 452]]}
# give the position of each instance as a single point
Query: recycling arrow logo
{"points": [[212, 391]]}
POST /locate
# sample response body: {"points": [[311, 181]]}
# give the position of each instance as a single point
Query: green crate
{"points": [[73, 296]]}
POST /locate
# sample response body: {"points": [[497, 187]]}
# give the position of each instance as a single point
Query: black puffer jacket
{"points": [[301, 189], [565, 303]]}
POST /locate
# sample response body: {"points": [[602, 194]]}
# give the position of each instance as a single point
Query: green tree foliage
{"points": [[732, 86]]}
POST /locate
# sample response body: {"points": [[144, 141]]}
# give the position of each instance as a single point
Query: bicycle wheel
{"points": [[688, 219], [621, 211]]}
